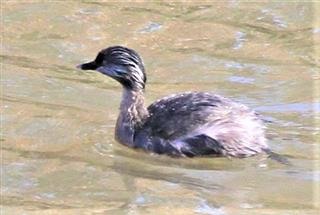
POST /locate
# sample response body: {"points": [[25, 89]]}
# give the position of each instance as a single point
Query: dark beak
{"points": [[88, 66]]}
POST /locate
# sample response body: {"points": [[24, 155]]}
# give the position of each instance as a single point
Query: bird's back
{"points": [[201, 124]]}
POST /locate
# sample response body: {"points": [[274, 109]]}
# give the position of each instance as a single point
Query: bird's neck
{"points": [[132, 115]]}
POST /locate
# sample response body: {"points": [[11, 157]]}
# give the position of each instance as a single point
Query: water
{"points": [[58, 152]]}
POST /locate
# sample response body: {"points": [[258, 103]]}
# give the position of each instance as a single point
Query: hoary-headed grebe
{"points": [[187, 124]]}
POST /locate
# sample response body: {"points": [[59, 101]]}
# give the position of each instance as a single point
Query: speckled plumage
{"points": [[188, 124]]}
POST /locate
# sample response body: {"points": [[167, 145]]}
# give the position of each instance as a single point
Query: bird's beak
{"points": [[88, 66]]}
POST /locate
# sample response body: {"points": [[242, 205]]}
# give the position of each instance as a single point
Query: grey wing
{"points": [[179, 115], [202, 124]]}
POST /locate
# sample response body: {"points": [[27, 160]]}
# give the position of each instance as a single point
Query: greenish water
{"points": [[58, 155]]}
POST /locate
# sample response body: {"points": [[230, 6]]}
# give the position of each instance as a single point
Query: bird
{"points": [[189, 124]]}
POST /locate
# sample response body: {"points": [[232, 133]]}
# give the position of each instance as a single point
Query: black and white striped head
{"points": [[120, 63]]}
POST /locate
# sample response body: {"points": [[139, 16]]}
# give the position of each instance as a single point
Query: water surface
{"points": [[58, 151]]}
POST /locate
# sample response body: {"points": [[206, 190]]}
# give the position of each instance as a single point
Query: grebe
{"points": [[187, 124]]}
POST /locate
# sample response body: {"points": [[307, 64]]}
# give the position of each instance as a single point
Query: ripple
{"points": [[151, 27], [241, 79], [276, 19], [293, 107], [18, 176], [316, 31], [240, 39], [205, 208]]}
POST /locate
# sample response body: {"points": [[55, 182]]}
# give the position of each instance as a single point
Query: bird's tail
{"points": [[277, 157]]}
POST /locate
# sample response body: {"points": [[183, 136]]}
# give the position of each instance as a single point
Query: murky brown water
{"points": [[57, 147]]}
